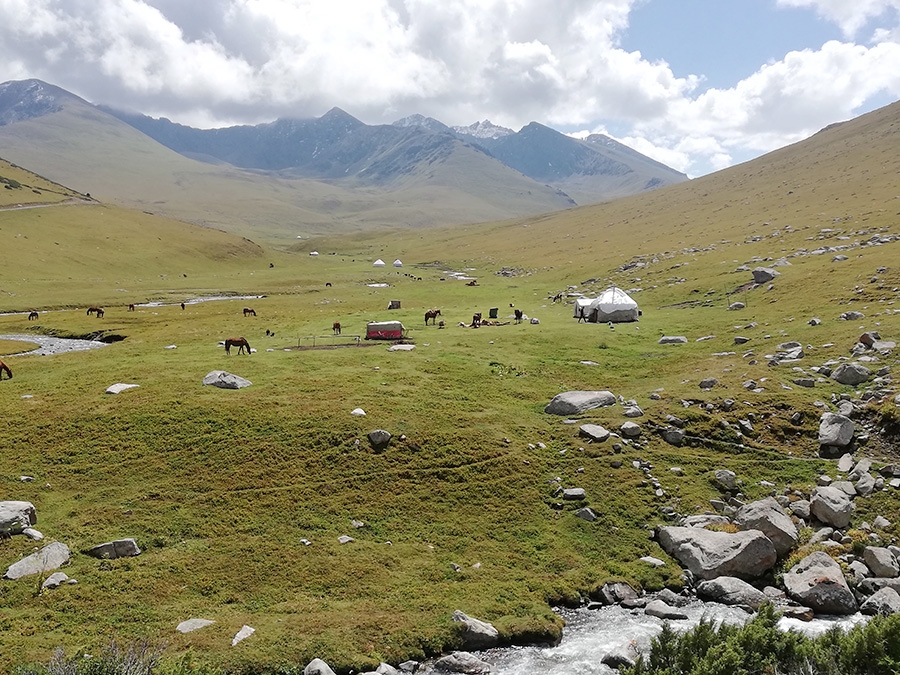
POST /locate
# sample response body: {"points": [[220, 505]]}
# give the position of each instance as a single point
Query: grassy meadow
{"points": [[219, 488]]}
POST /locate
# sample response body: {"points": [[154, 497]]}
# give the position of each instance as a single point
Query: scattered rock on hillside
{"points": [[831, 506], [587, 514], [48, 558], [358, 412], [459, 662], [763, 275], [110, 550], [573, 494], [673, 340], [709, 554], [225, 380], [767, 516], [574, 402], [815, 321], [476, 634], [818, 583], [851, 373], [731, 591], [594, 432], [726, 479], [193, 624], [119, 387], [245, 632], [736, 305], [835, 430], [852, 316], [672, 435], [630, 429], [15, 516], [54, 580], [318, 667], [379, 438], [708, 383]]}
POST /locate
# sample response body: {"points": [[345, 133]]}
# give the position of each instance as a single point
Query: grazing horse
{"points": [[336, 327], [248, 311], [5, 369], [327, 284], [100, 312], [131, 307], [518, 313], [476, 320], [182, 306], [472, 283], [432, 314], [33, 316], [238, 342], [94, 310]]}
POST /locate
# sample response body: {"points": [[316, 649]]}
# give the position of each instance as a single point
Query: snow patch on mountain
{"points": [[485, 129]]}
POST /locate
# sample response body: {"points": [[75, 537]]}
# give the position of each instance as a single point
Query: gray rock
{"points": [[708, 554], [55, 579], [767, 516], [630, 429], [831, 506], [653, 562], [318, 667], [731, 591], [191, 625], [119, 387], [476, 634], [32, 534], [835, 430], [621, 657], [881, 561], [705, 519], [48, 558], [859, 570], [845, 463], [594, 432], [574, 402], [672, 435], [379, 438], [851, 374], [586, 514], [661, 610], [741, 339], [708, 383], [726, 479], [846, 487], [15, 516], [884, 602], [852, 316], [409, 666], [818, 583], [386, 669], [110, 550], [573, 493], [672, 599], [615, 592], [881, 522], [225, 380], [763, 275], [461, 662], [865, 485], [633, 411], [800, 508], [673, 340], [736, 305]]}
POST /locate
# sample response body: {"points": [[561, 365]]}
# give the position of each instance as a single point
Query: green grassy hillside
{"points": [[220, 488]]}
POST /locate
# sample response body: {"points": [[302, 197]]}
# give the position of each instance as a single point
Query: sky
{"points": [[696, 84]]}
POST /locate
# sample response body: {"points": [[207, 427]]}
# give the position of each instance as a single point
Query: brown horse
{"points": [[336, 327], [33, 316], [476, 320], [5, 369], [94, 310], [431, 314], [131, 307], [100, 312], [238, 342], [249, 311]]}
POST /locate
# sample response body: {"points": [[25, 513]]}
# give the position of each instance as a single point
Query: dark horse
{"points": [[33, 316], [5, 369], [431, 314], [131, 307], [336, 327], [238, 342], [248, 311], [94, 310], [476, 320], [518, 313]]}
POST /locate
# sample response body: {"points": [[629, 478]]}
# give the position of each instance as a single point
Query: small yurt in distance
{"points": [[398, 263], [378, 263], [613, 305]]}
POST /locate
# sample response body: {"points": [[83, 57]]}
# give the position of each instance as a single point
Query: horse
{"points": [[100, 312], [238, 342], [476, 320], [431, 314], [33, 316], [5, 369], [472, 283], [518, 313], [182, 306], [336, 327], [327, 284], [249, 311], [93, 310], [131, 307]]}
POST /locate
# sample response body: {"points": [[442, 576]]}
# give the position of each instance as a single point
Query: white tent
{"points": [[613, 305], [314, 253], [378, 263], [398, 263]]}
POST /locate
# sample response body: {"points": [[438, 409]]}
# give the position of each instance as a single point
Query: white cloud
{"points": [[849, 15]]}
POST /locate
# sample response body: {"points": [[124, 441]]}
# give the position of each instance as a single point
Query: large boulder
{"points": [[818, 583], [318, 667], [225, 380], [110, 550], [763, 275], [767, 516], [850, 373], [49, 558], [881, 561], [575, 402], [16, 516], [661, 610], [831, 506], [731, 591], [835, 430], [461, 662], [476, 634], [709, 554], [885, 601]]}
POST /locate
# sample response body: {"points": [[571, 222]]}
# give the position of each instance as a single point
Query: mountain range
{"points": [[334, 173]]}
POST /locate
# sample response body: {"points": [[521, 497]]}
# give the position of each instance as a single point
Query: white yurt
{"points": [[398, 263], [378, 263], [613, 305], [314, 253]]}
